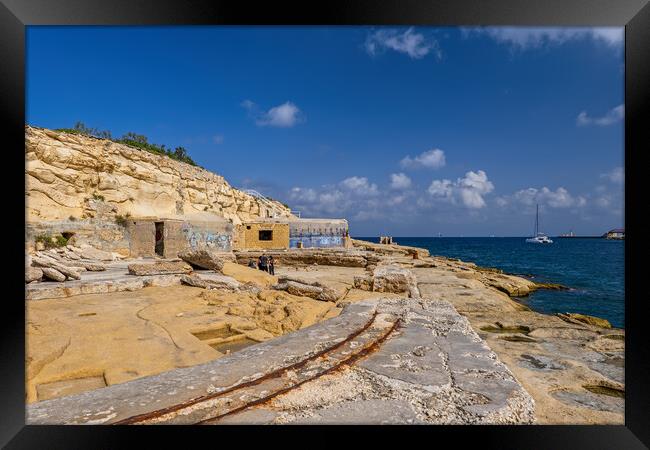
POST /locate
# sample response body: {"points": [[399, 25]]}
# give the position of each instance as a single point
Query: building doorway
{"points": [[160, 238]]}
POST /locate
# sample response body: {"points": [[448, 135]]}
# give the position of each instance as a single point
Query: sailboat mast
{"points": [[537, 220]]}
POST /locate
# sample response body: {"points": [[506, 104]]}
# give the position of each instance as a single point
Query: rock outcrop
{"points": [[67, 173], [228, 284], [33, 274], [394, 279], [303, 288], [159, 268], [206, 259], [388, 278], [308, 257], [583, 318], [53, 274]]}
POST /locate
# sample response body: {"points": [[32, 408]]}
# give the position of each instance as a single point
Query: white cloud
{"points": [[473, 187], [616, 175], [604, 201], [560, 198], [612, 116], [431, 159], [524, 38], [415, 45], [360, 186], [440, 188], [302, 194], [285, 115], [468, 190], [354, 197], [399, 181]]}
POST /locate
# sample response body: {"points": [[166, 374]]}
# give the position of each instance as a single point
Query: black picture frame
{"points": [[15, 15]]}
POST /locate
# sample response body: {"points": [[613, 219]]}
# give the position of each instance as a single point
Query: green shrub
{"points": [[96, 196], [132, 139], [72, 218], [122, 220], [52, 241]]}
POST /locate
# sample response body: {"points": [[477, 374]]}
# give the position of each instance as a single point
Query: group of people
{"points": [[265, 263]]}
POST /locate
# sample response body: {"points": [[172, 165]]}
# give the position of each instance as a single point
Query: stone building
{"points": [[139, 236], [168, 237], [262, 234]]}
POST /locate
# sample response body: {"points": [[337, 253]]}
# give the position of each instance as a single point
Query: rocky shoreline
{"points": [[571, 365]]}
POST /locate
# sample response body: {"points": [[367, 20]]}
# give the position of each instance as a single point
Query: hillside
{"points": [[65, 172]]}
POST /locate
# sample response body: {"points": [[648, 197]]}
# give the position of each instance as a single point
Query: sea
{"points": [[593, 269]]}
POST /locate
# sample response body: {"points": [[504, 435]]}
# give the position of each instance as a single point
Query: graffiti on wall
{"points": [[317, 241], [317, 236], [198, 238]]}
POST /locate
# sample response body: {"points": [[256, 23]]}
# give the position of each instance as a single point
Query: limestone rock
{"points": [[328, 294], [583, 318], [391, 249], [309, 257], [206, 258], [53, 264], [313, 290], [245, 274], [33, 274], [303, 290], [92, 267], [73, 175], [511, 285], [393, 279], [159, 268], [222, 283], [194, 280], [95, 253], [53, 274], [363, 283]]}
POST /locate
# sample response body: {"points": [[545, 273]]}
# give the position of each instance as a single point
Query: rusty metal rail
{"points": [[347, 362], [149, 416]]}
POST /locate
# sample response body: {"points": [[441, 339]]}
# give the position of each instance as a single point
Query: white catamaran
{"points": [[538, 238]]}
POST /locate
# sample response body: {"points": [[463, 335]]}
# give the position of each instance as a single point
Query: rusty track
{"points": [[347, 362], [274, 374]]}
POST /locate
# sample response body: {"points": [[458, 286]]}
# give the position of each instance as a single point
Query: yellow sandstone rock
{"points": [[67, 174], [245, 274]]}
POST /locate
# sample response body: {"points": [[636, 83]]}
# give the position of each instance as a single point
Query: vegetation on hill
{"points": [[132, 140]]}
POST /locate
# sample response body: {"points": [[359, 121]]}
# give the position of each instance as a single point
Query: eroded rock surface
{"points": [[159, 268], [380, 361], [574, 370], [62, 168], [206, 258]]}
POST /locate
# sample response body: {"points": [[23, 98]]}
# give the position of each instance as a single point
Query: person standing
{"points": [[271, 265], [262, 263]]}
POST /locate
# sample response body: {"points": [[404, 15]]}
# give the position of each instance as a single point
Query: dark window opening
{"points": [[248, 227], [266, 235], [160, 238]]}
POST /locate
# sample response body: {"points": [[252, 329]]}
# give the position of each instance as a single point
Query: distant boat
{"points": [[538, 238]]}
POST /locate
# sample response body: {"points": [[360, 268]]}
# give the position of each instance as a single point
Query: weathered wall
{"points": [[107, 236], [66, 173], [142, 238], [179, 235], [247, 236], [319, 233], [215, 235]]}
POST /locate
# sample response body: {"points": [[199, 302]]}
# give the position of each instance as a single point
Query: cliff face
{"points": [[66, 174]]}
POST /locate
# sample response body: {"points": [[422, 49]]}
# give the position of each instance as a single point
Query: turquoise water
{"points": [[594, 269]]}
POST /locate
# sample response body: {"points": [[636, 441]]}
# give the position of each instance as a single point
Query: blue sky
{"points": [[409, 131]]}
